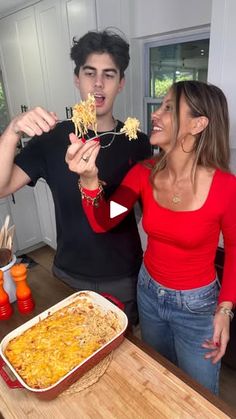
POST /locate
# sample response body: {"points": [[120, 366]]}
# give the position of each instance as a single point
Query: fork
{"points": [[95, 136], [104, 133]]}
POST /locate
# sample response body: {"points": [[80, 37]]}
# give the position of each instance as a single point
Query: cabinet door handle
{"points": [[68, 112], [24, 108], [13, 198]]}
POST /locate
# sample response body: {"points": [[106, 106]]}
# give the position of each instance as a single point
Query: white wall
{"points": [[222, 58], [155, 18], [115, 15], [152, 17]]}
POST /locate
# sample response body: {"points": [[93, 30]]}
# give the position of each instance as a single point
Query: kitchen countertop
{"points": [[138, 383]]}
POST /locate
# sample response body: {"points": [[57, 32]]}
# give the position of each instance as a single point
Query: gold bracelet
{"points": [[91, 201], [226, 311]]}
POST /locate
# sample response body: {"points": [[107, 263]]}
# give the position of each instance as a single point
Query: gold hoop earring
{"points": [[185, 151]]}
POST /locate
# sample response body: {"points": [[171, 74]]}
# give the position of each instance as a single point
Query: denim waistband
{"points": [[212, 284]]}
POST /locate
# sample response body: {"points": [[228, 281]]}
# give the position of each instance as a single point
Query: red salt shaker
{"points": [[25, 301], [5, 306]]}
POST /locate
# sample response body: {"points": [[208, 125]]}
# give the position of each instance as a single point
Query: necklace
{"points": [[113, 137], [176, 199], [110, 143]]}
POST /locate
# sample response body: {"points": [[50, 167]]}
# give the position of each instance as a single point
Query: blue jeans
{"points": [[176, 323]]}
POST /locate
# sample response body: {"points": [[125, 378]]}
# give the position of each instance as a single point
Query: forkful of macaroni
{"points": [[84, 117]]}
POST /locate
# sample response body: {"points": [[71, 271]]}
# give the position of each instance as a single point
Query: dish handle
{"points": [[114, 300], [10, 383]]}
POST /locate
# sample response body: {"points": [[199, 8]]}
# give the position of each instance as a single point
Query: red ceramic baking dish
{"points": [[72, 376]]}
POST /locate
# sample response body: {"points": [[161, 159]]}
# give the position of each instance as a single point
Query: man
{"points": [[106, 262]]}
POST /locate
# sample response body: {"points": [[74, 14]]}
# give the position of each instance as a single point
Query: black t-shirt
{"points": [[81, 253]]}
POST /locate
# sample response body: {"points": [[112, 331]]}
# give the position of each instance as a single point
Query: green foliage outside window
{"points": [[162, 86], [4, 116]]}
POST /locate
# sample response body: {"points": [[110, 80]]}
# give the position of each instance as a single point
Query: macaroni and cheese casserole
{"points": [[50, 349]]}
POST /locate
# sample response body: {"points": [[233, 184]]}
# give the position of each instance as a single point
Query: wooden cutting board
{"points": [[134, 386]]}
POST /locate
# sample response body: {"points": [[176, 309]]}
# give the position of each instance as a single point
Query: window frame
{"points": [[162, 40]]}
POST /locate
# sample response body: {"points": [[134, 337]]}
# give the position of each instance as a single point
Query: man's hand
{"points": [[33, 122]]}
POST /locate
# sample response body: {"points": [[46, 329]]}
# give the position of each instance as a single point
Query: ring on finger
{"points": [[85, 158]]}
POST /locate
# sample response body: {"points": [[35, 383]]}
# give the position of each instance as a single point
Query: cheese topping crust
{"points": [[50, 349]]}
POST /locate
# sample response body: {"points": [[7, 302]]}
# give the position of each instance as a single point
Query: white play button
{"points": [[116, 209]]}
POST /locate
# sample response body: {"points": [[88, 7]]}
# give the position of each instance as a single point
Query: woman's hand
{"points": [[81, 159], [217, 345], [33, 122]]}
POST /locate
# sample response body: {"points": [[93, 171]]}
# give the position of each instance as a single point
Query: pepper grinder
{"points": [[25, 302], [5, 306]]}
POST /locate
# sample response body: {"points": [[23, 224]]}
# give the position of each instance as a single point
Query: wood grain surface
{"points": [[134, 386], [137, 383]]}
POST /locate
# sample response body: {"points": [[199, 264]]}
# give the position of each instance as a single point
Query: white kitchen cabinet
{"points": [[32, 212], [57, 23], [35, 59], [35, 54], [24, 214], [46, 213], [81, 16], [21, 61], [10, 55], [115, 15], [53, 35]]}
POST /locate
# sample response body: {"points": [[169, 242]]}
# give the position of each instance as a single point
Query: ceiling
{"points": [[9, 6]]}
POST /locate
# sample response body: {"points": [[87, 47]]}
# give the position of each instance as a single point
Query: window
{"points": [[170, 60], [4, 113]]}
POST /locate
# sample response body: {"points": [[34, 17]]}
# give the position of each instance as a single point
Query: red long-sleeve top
{"points": [[181, 245]]}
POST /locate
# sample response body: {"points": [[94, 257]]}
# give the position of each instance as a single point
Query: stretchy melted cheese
{"points": [[84, 116]]}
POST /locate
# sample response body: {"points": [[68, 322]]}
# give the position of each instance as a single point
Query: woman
{"points": [[188, 198]]}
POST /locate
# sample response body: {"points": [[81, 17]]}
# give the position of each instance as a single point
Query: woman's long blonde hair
{"points": [[212, 144]]}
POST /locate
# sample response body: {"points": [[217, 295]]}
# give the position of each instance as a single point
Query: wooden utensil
{"points": [[2, 236], [6, 223], [5, 256], [10, 234], [9, 243], [7, 234]]}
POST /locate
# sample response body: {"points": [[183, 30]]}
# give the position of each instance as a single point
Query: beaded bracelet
{"points": [[94, 201], [226, 311]]}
